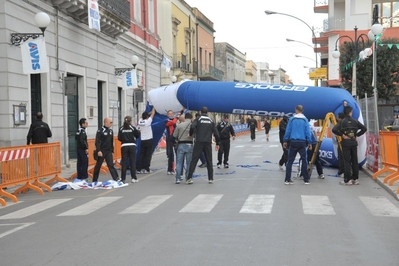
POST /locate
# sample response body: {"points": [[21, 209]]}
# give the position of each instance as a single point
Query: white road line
{"points": [[202, 203], [15, 229], [90, 206], [34, 209], [380, 206], [318, 205], [146, 205], [239, 146], [258, 204]]}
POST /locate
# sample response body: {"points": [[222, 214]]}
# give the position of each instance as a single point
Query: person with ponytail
{"points": [[127, 135]]}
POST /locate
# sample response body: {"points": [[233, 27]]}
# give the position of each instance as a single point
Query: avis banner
{"points": [[34, 56], [130, 80]]}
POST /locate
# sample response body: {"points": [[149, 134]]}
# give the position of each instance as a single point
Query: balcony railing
{"points": [[209, 72], [115, 14]]}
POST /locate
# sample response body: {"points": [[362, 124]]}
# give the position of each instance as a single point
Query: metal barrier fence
{"points": [[26, 165]]}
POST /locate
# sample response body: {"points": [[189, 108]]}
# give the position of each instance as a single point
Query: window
{"points": [[137, 11], [389, 14], [151, 15]]}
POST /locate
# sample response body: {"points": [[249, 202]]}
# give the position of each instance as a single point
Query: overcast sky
{"points": [[244, 25]]}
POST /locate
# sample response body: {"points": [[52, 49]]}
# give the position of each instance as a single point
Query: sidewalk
{"points": [[380, 180]]}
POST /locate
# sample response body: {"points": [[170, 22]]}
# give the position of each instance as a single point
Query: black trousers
{"points": [[170, 152], [351, 163], [145, 155], [284, 157], [128, 156], [341, 164], [252, 133], [224, 148], [198, 148], [107, 156], [82, 164]]}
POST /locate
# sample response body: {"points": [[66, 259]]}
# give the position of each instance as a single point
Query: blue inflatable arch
{"points": [[254, 99]]}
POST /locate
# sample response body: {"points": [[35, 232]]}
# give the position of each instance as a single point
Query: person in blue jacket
{"points": [[298, 135]]}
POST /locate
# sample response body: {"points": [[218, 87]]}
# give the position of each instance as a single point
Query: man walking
{"points": [[203, 127], [225, 130], [170, 152], [184, 146], [349, 129], [252, 123], [82, 150], [299, 136], [39, 131], [105, 148]]}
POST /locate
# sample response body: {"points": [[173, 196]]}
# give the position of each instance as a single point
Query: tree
{"points": [[387, 68]]}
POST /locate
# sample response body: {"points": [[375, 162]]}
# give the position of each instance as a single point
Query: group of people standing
{"points": [[297, 136], [195, 138]]}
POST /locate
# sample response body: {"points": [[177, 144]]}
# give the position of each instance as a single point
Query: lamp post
{"points": [[376, 30], [336, 54], [134, 60], [305, 57], [173, 79], [268, 12], [42, 20], [291, 40]]}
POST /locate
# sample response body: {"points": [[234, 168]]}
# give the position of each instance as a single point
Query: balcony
{"points": [[208, 72], [180, 63], [115, 14]]}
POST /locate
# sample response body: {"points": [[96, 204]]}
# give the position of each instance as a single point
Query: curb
{"points": [[380, 181]]}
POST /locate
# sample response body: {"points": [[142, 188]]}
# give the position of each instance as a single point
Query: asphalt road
{"points": [[247, 217]]}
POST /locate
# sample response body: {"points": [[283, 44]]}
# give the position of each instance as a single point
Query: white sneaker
{"points": [[219, 166], [135, 181], [321, 176], [281, 167]]}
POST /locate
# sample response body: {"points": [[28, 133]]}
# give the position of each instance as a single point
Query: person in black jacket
{"points": [[39, 131], [349, 129], [203, 127], [82, 148], [105, 149], [225, 130], [252, 123], [127, 135], [282, 127]]}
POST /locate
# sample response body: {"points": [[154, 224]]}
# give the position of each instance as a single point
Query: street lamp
{"points": [[42, 20], [134, 60], [376, 30], [336, 54], [291, 40], [268, 12], [173, 79], [306, 57]]}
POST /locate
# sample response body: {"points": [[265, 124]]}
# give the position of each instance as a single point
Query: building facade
{"points": [[82, 80]]}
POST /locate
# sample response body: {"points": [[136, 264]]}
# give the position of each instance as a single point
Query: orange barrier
{"points": [[389, 156], [26, 165]]}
